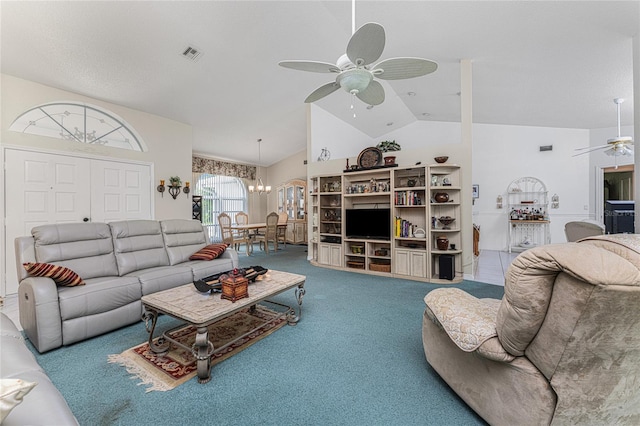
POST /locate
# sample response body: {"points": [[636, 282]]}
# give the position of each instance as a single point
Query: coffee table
{"points": [[202, 309]]}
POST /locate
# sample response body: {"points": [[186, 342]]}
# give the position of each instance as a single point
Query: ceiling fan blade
{"points": [[591, 147], [322, 91], [588, 150], [366, 45], [312, 66], [373, 94], [401, 68]]}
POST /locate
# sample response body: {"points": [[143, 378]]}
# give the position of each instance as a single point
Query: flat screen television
{"points": [[373, 224]]}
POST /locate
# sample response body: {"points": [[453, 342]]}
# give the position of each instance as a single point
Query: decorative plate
{"points": [[369, 157]]}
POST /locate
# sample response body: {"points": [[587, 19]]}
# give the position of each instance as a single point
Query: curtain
{"points": [[217, 167]]}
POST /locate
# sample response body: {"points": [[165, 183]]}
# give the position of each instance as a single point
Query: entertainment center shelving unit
{"points": [[409, 193]]}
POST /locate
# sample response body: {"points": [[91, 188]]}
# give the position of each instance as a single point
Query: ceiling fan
{"points": [[355, 72], [620, 145]]}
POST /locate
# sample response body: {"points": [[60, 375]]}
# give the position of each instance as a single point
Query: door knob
{"points": [[86, 219]]}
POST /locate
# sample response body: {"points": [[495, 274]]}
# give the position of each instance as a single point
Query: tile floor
{"points": [[490, 268]]}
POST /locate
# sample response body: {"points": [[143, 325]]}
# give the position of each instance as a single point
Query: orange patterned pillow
{"points": [[61, 275], [209, 252]]}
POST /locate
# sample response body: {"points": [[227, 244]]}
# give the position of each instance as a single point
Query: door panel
{"points": [[45, 188], [52, 188], [125, 194]]}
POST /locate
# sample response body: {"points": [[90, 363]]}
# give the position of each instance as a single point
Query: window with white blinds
{"points": [[219, 194]]}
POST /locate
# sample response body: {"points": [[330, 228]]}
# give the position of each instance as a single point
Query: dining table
{"points": [[248, 235]]}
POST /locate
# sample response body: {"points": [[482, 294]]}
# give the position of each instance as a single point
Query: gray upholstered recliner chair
{"points": [[577, 230], [561, 347]]}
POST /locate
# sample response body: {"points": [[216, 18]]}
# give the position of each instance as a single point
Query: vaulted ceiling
{"points": [[535, 63]]}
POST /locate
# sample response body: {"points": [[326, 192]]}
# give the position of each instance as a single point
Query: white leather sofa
{"points": [[119, 262], [43, 405]]}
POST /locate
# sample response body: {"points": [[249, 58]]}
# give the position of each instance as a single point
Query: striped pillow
{"points": [[61, 275], [209, 252]]}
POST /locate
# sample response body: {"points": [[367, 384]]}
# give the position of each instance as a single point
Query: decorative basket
{"points": [[355, 264], [380, 267]]}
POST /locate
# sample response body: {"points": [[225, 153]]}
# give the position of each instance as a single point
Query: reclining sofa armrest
{"points": [[40, 312], [232, 254], [467, 320]]}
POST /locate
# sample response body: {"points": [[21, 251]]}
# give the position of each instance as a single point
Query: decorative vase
{"points": [[390, 160], [441, 197], [442, 242]]}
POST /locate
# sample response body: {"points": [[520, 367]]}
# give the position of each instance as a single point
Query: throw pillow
{"points": [[11, 393], [209, 252], [61, 275]]}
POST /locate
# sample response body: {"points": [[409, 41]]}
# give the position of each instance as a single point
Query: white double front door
{"points": [[52, 188]]}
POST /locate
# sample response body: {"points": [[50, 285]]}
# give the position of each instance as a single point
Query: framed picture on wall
{"points": [[475, 193]]}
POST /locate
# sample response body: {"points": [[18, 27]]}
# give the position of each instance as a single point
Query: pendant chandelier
{"points": [[259, 187]]}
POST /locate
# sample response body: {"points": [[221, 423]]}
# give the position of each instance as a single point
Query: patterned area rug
{"points": [[163, 373]]}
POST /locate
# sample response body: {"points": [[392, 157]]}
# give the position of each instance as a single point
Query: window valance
{"points": [[224, 168]]}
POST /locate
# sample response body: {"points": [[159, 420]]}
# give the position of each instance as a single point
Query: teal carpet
{"points": [[355, 358]]}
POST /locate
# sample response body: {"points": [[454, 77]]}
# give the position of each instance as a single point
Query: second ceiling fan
{"points": [[355, 72]]}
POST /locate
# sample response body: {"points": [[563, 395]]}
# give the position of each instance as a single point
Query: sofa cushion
{"points": [[85, 248], [209, 252], [12, 391], [205, 269], [97, 296], [61, 275], [182, 238], [163, 278], [138, 244]]}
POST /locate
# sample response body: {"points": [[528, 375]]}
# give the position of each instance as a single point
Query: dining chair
{"points": [[228, 237], [283, 218], [270, 234]]}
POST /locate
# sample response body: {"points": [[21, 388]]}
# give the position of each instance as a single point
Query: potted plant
{"points": [[175, 181], [388, 146]]}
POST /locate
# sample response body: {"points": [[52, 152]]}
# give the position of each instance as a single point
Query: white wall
{"points": [[502, 154], [169, 142]]}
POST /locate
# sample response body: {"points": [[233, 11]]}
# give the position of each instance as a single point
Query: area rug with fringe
{"points": [[163, 373]]}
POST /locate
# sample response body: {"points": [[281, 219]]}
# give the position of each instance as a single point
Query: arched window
{"points": [[79, 122], [219, 194]]}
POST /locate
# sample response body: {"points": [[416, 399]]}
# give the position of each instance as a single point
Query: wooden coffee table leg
{"points": [[202, 350]]}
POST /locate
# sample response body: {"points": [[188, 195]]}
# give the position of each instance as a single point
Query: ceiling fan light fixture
{"points": [[355, 81]]}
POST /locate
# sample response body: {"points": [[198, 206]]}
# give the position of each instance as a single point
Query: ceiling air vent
{"points": [[191, 53]]}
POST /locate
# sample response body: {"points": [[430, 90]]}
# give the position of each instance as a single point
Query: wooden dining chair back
{"points": [[241, 219], [270, 234], [228, 236], [283, 218], [224, 221]]}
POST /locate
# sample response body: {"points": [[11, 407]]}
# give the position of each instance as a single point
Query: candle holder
{"points": [[160, 188], [186, 189]]}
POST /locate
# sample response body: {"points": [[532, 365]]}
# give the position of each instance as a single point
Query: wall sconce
{"points": [[555, 201], [499, 202], [174, 190]]}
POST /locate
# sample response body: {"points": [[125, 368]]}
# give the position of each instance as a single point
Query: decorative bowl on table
{"points": [[446, 221], [441, 159]]}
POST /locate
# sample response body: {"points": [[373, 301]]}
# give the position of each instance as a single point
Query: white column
{"points": [[636, 127], [466, 122]]}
